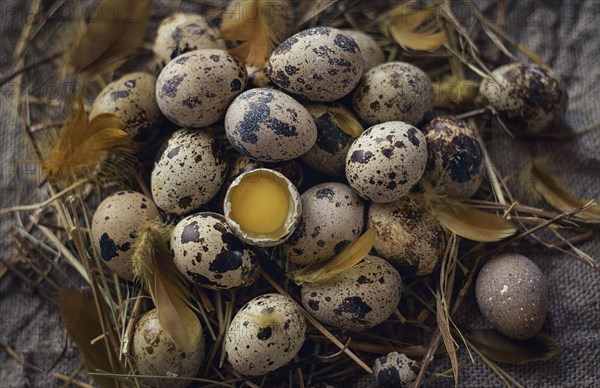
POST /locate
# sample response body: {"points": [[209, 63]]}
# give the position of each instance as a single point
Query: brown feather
{"points": [[413, 28]]}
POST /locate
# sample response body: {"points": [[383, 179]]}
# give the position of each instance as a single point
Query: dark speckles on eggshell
{"points": [[190, 233], [361, 156], [346, 43], [355, 307], [119, 94], [412, 136], [235, 85], [108, 248], [325, 192], [169, 88], [264, 333]]}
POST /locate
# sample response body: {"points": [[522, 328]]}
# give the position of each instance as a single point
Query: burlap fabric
{"points": [[564, 33]]}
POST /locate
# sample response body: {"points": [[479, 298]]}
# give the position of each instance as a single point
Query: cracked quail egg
{"points": [[262, 207], [512, 294], [527, 98], [207, 252], [319, 64], [156, 354], [386, 161], [116, 224], [264, 335], [183, 32], [372, 53], [407, 235], [189, 171], [332, 217], [455, 156], [195, 89], [359, 298], [393, 91], [131, 99]]}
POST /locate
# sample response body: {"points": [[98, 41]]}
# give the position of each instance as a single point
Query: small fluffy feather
{"points": [[413, 28]]}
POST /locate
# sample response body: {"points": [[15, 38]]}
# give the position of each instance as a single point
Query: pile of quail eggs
{"points": [[230, 180]]}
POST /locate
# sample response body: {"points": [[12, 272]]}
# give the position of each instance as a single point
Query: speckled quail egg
{"points": [[117, 222], [189, 171], [262, 207], [207, 252], [407, 235], [319, 64], [195, 89], [264, 335], [372, 53], [332, 217], [393, 91], [269, 126], [131, 99], [360, 298], [395, 370], [456, 158], [386, 161], [183, 32], [512, 294], [156, 354], [527, 98], [328, 155]]}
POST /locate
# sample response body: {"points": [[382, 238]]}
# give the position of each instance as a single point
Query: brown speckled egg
{"points": [[156, 354], [319, 64], [195, 89], [512, 294], [360, 298], [131, 99], [527, 98], [407, 235], [269, 126], [456, 158], [372, 53], [117, 222], [393, 91], [386, 161], [264, 335], [189, 171], [207, 252], [332, 217], [183, 32], [328, 155]]}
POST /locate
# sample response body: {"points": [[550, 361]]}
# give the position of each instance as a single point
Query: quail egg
{"points": [[407, 235], [183, 32], [156, 354], [372, 53], [386, 161], [456, 158], [527, 98], [332, 217], [262, 207], [512, 294], [360, 298], [195, 89], [393, 91], [395, 370], [131, 99], [117, 222], [207, 252], [319, 64], [264, 335], [189, 171]]}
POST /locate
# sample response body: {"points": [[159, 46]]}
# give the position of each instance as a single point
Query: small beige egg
{"points": [[372, 53], [156, 354], [395, 370], [527, 98], [116, 225], [332, 217], [207, 252], [393, 91], [386, 161], [269, 126], [360, 298], [183, 32], [195, 89], [264, 335], [319, 64], [131, 99], [512, 294], [407, 235], [189, 171], [262, 207]]}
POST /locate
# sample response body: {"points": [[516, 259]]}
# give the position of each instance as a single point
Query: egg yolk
{"points": [[260, 204]]}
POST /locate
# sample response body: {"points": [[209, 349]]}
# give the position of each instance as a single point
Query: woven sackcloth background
{"points": [[563, 33]]}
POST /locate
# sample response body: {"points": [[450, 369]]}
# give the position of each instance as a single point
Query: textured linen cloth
{"points": [[563, 33]]}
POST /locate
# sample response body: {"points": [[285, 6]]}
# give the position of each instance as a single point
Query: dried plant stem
{"points": [[45, 203], [121, 376], [71, 381]]}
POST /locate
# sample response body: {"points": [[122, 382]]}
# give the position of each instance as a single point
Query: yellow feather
{"points": [[347, 122], [454, 92], [414, 29]]}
